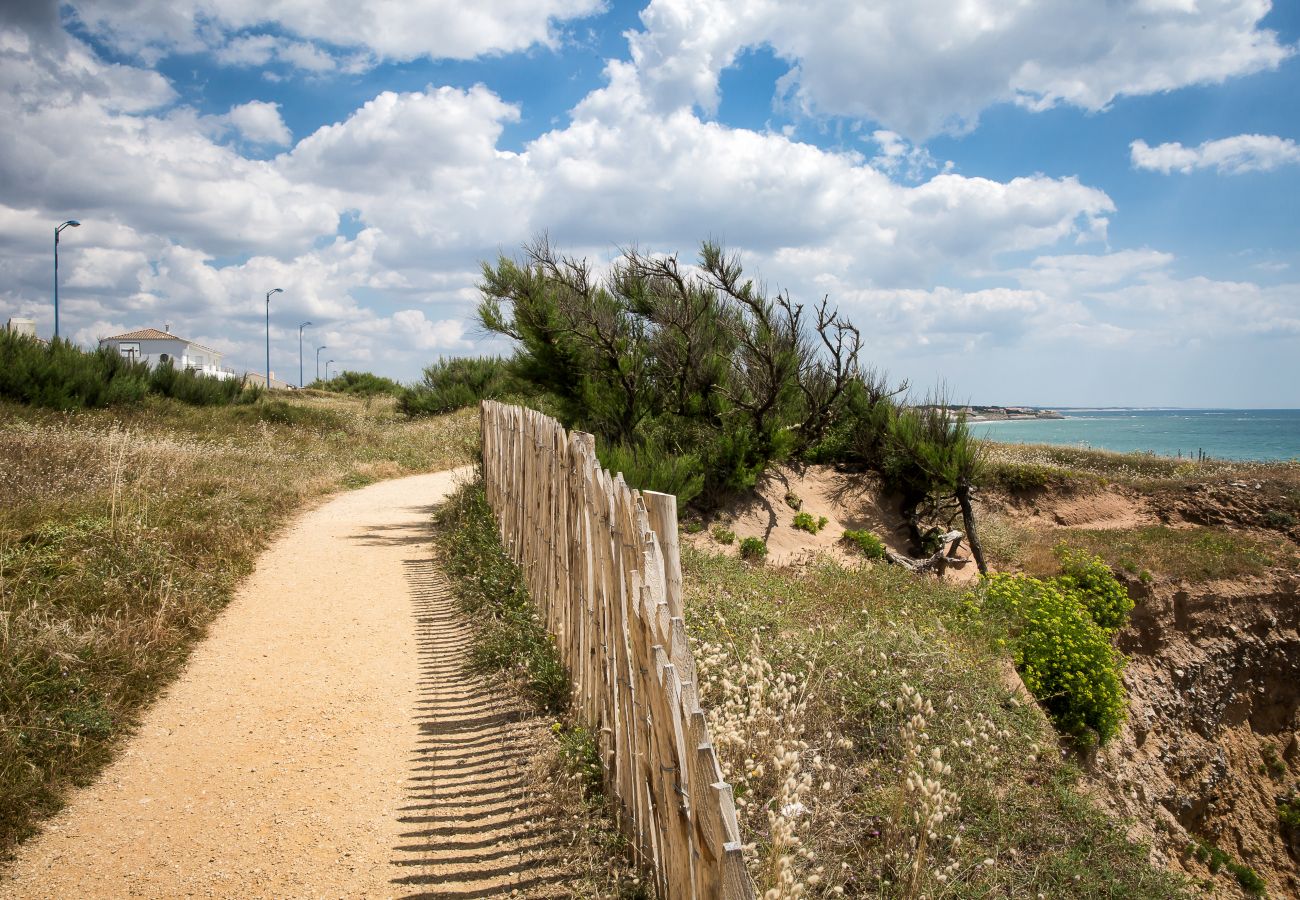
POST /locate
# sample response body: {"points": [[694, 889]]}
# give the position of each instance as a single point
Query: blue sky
{"points": [[1064, 203]]}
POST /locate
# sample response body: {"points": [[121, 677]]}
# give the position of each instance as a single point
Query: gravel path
{"points": [[322, 741]]}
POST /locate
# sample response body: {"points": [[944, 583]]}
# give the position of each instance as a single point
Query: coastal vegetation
{"points": [[697, 379], [60, 375], [124, 530], [365, 384]]}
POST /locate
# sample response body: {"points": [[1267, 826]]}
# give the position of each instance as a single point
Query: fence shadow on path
{"points": [[472, 829]]}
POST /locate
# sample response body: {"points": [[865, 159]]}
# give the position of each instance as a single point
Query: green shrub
{"points": [[793, 500], [62, 376], [199, 390], [805, 522], [1278, 518], [1065, 658], [655, 469], [1022, 478], [1215, 859], [451, 384], [753, 549], [723, 535], [870, 545], [365, 384], [1288, 812], [1105, 599]]}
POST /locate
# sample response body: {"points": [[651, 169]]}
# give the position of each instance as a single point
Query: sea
{"points": [[1236, 434]]}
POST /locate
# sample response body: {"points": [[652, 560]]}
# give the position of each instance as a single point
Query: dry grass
{"points": [[877, 750], [123, 532], [1131, 467]]}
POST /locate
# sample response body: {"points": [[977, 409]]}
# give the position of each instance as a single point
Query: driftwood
{"points": [[937, 563]]}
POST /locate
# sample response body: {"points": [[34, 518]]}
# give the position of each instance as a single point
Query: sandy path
{"points": [[321, 742]]}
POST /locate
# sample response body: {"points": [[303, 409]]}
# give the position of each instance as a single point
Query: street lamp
{"points": [[318, 350], [328, 363], [300, 328], [268, 333], [71, 223]]}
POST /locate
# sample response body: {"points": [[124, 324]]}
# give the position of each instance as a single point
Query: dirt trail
{"points": [[317, 743]]}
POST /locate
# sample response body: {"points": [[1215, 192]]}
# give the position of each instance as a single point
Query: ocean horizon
{"points": [[1221, 433]]}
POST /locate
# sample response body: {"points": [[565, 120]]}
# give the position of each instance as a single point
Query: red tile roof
{"points": [[153, 334]]}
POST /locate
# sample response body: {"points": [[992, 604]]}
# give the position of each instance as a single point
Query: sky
{"points": [[1053, 203]]}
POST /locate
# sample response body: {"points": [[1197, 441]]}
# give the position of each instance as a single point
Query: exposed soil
{"points": [[848, 500], [322, 741], [1214, 721], [1213, 736], [1111, 508]]}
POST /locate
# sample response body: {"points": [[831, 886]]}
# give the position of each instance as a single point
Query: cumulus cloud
{"points": [[1227, 156], [920, 67], [260, 123], [182, 225], [392, 30]]}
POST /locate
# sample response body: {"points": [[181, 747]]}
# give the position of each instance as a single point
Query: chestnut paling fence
{"points": [[601, 561]]}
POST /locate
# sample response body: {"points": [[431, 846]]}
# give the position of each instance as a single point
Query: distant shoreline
{"points": [[1007, 413]]}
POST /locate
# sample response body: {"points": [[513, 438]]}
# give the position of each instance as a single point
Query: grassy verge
{"points": [[510, 642], [1039, 465], [877, 747], [1191, 554], [124, 531]]}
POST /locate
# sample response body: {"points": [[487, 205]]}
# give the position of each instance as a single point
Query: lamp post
{"points": [[300, 328], [71, 223], [318, 350], [268, 333], [328, 363]]}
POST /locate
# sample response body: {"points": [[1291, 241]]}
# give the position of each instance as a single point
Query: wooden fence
{"points": [[601, 562]]}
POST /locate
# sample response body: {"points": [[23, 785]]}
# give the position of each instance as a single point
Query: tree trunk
{"points": [[968, 518]]}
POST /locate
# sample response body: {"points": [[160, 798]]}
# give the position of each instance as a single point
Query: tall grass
{"points": [[124, 531], [877, 749]]}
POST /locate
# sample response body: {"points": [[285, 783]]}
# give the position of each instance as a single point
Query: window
{"points": [[130, 350]]}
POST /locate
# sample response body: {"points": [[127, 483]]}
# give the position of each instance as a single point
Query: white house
{"points": [[152, 346]]}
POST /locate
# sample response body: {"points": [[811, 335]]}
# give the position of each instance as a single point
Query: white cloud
{"points": [[920, 67], [1227, 156], [390, 29], [260, 49], [181, 228], [260, 123]]}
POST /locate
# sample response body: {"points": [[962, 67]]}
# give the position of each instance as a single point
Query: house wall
{"points": [[182, 354]]}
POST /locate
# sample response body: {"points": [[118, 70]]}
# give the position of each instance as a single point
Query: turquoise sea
{"points": [[1243, 434]]}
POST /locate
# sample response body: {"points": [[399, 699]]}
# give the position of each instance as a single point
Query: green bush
{"points": [[452, 384], [870, 545], [62, 376], [1288, 812], [365, 384], [200, 390], [723, 535], [1022, 478], [1105, 599], [1065, 658], [753, 549], [805, 522], [651, 469], [1215, 859], [1278, 518]]}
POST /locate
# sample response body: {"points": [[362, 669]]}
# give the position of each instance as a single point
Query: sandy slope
{"points": [[296, 750]]}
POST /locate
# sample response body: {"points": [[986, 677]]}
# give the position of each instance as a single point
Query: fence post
{"points": [[603, 564]]}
